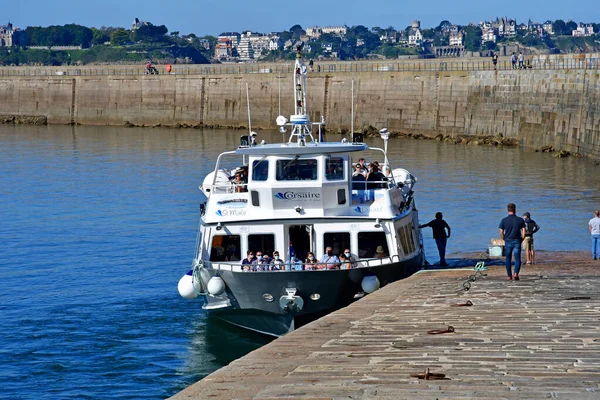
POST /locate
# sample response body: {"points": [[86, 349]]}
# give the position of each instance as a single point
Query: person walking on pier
{"points": [[495, 59], [439, 226], [513, 60], [521, 65], [530, 228], [512, 231], [594, 226]]}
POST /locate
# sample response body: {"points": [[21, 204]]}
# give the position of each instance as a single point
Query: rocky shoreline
{"points": [[368, 131]]}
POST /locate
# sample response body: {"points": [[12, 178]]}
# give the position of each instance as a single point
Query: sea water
{"points": [[99, 223]]}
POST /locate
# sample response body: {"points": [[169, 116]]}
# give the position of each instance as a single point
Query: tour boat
{"points": [[294, 198]]}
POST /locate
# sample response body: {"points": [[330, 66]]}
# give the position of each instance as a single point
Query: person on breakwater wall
{"points": [[530, 228], [439, 226], [512, 231], [594, 226]]}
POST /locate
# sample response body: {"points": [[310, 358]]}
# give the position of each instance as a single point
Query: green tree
{"points": [[559, 27], [150, 33], [571, 26], [444, 24], [296, 31], [472, 37], [119, 37], [489, 45], [99, 36]]}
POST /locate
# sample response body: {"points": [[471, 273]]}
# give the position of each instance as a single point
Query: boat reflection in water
{"points": [[296, 198]]}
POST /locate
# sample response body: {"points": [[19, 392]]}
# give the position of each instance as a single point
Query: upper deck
{"points": [[292, 181]]}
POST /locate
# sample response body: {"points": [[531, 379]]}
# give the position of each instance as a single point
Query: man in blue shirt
{"points": [[512, 230]]}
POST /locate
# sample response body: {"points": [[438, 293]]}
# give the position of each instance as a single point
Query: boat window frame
{"points": [[341, 250], [342, 164], [298, 163], [226, 258], [255, 164], [268, 252], [372, 254]]}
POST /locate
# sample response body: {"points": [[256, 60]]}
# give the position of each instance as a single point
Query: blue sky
{"points": [[215, 16]]}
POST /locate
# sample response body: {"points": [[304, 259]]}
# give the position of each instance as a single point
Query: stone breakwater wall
{"points": [[558, 108]]}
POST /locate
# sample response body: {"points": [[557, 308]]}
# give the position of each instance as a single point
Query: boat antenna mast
{"points": [[299, 121]]}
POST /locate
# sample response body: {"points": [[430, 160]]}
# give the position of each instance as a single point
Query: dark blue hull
{"points": [[244, 303]]}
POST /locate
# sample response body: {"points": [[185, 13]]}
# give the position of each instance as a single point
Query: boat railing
{"points": [[299, 266]]}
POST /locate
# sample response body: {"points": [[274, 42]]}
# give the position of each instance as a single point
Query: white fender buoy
{"points": [[188, 289], [370, 284], [216, 286]]}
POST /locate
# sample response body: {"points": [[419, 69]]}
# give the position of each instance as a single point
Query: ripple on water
{"points": [[100, 223]]}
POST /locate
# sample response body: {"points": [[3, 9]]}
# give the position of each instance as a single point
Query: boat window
{"points": [[338, 241], [260, 170], [407, 239], [372, 245], [292, 170], [225, 248], [403, 240], [262, 242], [334, 168]]}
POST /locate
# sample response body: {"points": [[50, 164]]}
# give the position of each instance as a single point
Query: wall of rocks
{"points": [[558, 108]]}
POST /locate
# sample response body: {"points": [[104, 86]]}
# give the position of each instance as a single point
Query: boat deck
{"points": [[535, 338]]}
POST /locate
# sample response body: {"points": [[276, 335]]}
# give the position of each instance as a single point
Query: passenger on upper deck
{"points": [[375, 178], [240, 185], [358, 179], [363, 167]]}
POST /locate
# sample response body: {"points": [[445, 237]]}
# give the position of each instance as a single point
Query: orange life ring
{"points": [[168, 67]]}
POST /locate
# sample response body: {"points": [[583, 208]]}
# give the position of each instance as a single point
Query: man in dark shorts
{"points": [[439, 226], [512, 230]]}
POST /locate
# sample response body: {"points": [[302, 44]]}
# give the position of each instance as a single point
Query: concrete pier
{"points": [[534, 338]]}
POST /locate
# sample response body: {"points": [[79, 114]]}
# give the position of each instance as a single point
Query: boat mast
{"points": [[299, 121]]}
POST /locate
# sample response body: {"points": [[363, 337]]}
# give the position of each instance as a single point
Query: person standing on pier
{"points": [[530, 228], [439, 226], [594, 226], [512, 231]]}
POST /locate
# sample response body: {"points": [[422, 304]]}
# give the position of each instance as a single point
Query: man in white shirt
{"points": [[594, 226]]}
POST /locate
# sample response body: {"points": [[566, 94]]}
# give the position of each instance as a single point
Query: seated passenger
{"points": [[249, 258], [328, 260], [277, 263], [310, 264], [380, 253], [350, 259], [344, 263], [260, 263], [239, 184], [295, 264]]}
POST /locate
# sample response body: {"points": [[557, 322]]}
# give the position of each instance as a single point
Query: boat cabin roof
{"points": [[294, 149]]}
